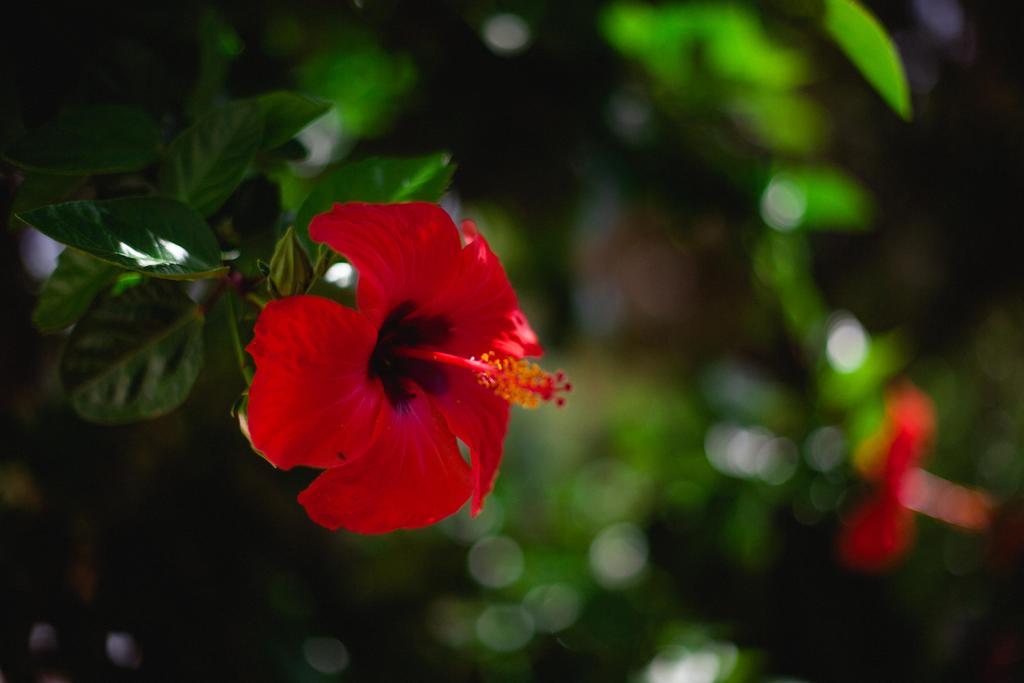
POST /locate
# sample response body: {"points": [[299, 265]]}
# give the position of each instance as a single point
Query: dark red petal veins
{"points": [[478, 417], [412, 475], [482, 308], [312, 399], [402, 252]]}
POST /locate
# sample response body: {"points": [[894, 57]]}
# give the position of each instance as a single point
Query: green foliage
{"points": [[734, 44], [375, 180], [857, 32], [366, 103], [153, 235], [207, 161], [84, 140], [816, 198], [285, 114], [70, 289], [40, 189], [719, 57], [134, 356]]}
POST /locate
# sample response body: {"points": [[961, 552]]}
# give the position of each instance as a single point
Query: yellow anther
{"points": [[519, 381]]}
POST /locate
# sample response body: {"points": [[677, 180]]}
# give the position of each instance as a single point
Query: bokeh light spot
{"points": [[618, 555], [847, 342], [783, 204], [123, 651], [504, 628], [506, 34], [340, 275], [554, 607], [326, 655], [496, 561]]}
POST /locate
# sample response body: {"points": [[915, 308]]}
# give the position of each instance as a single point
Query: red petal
{"points": [[311, 398], [403, 252], [877, 535], [412, 475], [482, 308], [480, 419]]}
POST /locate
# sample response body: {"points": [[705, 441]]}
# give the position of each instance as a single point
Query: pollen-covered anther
{"points": [[519, 381]]}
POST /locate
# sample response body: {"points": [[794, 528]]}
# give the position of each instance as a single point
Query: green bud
{"points": [[291, 272]]}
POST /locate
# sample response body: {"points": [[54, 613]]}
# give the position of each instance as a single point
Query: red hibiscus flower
{"points": [[377, 397], [881, 529]]}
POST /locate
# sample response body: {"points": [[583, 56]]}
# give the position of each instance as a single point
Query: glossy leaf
{"points": [[70, 289], [375, 180], [40, 189], [207, 161], [867, 44], [84, 140], [134, 356], [287, 113], [152, 235]]}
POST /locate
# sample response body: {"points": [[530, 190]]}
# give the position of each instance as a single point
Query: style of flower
{"points": [[376, 397], [880, 531]]}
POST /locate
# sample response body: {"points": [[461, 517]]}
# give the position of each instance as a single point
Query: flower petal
{"points": [[402, 252], [480, 418], [877, 535], [312, 398], [482, 308], [411, 476]]}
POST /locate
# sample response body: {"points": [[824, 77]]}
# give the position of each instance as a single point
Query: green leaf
{"points": [[816, 198], [84, 140], [285, 114], [134, 356], [70, 289], [40, 189], [375, 180], [153, 235], [867, 44], [207, 162]]}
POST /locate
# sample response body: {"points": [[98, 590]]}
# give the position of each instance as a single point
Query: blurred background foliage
{"points": [[722, 227]]}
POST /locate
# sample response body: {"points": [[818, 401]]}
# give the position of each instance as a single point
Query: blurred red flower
{"points": [[881, 529], [376, 397]]}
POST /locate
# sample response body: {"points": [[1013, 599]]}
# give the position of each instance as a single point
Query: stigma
{"points": [[515, 380]]}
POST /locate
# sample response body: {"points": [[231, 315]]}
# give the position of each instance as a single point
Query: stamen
{"points": [[514, 379], [519, 381]]}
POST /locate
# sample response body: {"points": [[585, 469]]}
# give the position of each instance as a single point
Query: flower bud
{"points": [[291, 272]]}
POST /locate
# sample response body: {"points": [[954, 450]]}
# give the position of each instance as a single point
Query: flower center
{"points": [[401, 329], [514, 379]]}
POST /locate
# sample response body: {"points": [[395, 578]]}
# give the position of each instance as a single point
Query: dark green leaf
{"points": [[40, 189], [134, 356], [207, 162], [83, 140], [152, 235], [869, 47], [375, 180], [70, 289], [287, 113]]}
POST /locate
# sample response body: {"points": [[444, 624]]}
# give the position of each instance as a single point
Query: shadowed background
{"points": [[718, 229]]}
